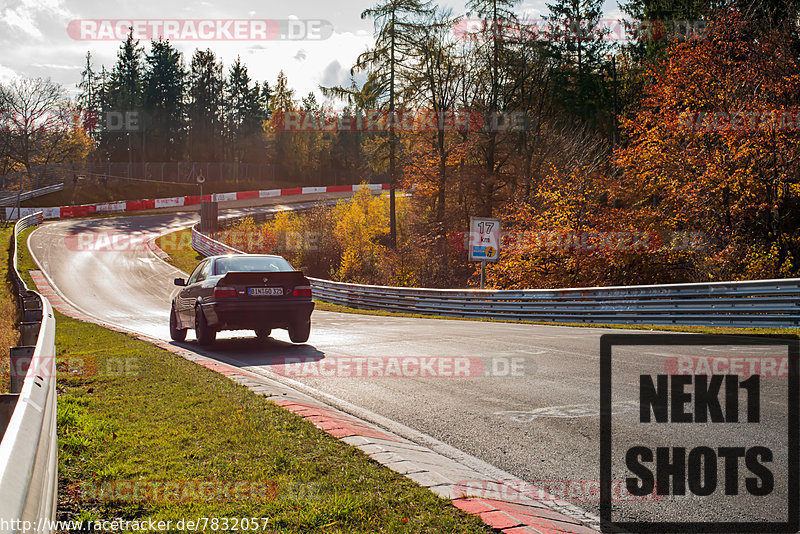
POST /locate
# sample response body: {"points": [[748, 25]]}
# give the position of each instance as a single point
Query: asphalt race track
{"points": [[529, 405]]}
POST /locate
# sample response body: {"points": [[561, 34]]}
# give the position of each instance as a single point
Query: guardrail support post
{"points": [[30, 330], [20, 361], [7, 403]]}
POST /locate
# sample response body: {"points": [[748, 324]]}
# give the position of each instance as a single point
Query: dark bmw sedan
{"points": [[242, 292]]}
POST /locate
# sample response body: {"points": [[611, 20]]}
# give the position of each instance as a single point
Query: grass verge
{"points": [[9, 315], [185, 258], [179, 247], [144, 434], [25, 261], [134, 412]]}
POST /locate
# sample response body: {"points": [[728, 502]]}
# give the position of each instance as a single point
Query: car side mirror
{"points": [[180, 282]]}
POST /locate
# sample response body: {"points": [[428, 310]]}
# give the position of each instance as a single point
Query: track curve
{"points": [[516, 421]]}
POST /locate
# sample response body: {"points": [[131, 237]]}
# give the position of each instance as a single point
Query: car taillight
{"points": [[302, 291], [224, 292]]}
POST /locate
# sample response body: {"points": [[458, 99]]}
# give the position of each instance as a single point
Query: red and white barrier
{"points": [[84, 210]]}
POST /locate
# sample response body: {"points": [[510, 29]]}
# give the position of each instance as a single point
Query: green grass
{"points": [[179, 247], [9, 315], [25, 261], [137, 412], [186, 258], [130, 412]]}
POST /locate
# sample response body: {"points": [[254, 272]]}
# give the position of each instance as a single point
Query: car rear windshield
{"points": [[252, 264]]}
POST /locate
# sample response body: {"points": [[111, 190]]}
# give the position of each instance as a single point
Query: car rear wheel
{"points": [[177, 334], [263, 333], [205, 334], [299, 332]]}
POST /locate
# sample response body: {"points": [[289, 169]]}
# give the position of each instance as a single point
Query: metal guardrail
{"points": [[209, 247], [28, 448], [761, 303], [12, 198]]}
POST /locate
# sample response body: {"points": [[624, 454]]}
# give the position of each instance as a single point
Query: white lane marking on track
{"points": [[565, 412]]}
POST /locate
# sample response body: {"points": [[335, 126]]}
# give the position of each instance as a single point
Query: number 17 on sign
{"points": [[484, 241]]}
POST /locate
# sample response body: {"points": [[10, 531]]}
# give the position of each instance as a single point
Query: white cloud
{"points": [[28, 16], [265, 60], [55, 66], [53, 6], [7, 75], [334, 74], [21, 19]]}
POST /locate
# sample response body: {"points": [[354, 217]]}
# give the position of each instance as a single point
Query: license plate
{"points": [[265, 291]]}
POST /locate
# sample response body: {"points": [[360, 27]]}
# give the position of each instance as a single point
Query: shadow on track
{"points": [[251, 351]]}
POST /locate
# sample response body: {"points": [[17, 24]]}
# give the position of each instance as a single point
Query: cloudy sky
{"points": [[50, 38]]}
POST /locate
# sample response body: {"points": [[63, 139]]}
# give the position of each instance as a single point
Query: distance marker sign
{"points": [[484, 242]]}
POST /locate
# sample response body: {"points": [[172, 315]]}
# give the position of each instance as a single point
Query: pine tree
{"points": [[89, 102], [281, 101], [266, 98], [656, 21], [205, 107], [164, 103], [310, 102], [578, 46], [123, 96], [394, 22], [497, 14], [244, 112], [282, 98]]}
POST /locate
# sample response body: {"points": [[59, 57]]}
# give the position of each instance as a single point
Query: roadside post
{"points": [[484, 241], [208, 211], [201, 180]]}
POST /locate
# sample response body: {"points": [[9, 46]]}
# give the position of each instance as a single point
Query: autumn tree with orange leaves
{"points": [[714, 148]]}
